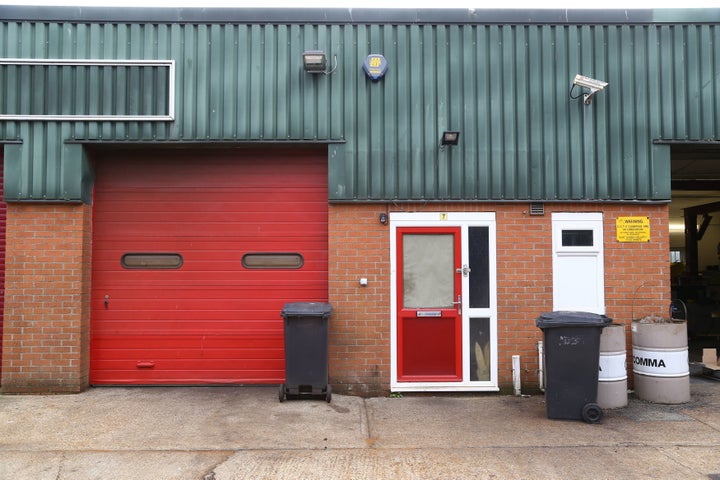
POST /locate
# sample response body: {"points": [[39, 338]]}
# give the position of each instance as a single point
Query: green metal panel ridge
{"points": [[30, 176], [506, 87]]}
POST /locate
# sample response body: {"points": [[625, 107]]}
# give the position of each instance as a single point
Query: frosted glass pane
{"points": [[428, 271]]}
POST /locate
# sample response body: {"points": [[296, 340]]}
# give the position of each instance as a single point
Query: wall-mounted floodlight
{"points": [[590, 83], [315, 61], [450, 137]]}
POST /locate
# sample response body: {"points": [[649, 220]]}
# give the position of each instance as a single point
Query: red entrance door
{"points": [[429, 309]]}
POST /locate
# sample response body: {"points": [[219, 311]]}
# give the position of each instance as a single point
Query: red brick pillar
{"points": [[359, 350], [47, 298]]}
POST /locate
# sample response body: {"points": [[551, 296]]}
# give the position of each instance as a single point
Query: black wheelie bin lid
{"points": [[572, 319], [306, 309]]}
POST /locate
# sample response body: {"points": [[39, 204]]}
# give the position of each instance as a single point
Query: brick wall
{"points": [[359, 247], [47, 295], [637, 283], [46, 330]]}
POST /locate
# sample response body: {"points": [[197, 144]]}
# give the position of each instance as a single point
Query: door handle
{"points": [[465, 270], [459, 304]]}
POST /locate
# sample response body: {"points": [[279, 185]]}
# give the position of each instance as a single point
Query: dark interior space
{"points": [[695, 242]]}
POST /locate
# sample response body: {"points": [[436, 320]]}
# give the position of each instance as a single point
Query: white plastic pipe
{"points": [[541, 367], [516, 374]]}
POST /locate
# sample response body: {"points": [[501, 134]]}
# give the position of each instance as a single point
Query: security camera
{"points": [[589, 83]]}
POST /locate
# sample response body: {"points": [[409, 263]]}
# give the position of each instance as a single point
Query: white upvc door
{"points": [[578, 271]]}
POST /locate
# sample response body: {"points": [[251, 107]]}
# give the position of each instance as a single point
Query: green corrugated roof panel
{"points": [[505, 86], [507, 89]]}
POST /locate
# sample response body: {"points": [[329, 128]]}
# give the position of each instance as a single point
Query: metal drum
{"points": [[661, 371], [612, 376]]}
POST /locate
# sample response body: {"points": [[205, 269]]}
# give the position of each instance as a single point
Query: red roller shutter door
{"points": [[211, 320], [3, 222]]}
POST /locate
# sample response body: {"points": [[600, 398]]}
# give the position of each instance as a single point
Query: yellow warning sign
{"points": [[633, 229]]}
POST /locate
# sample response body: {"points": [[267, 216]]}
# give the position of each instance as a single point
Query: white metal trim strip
{"points": [[170, 64]]}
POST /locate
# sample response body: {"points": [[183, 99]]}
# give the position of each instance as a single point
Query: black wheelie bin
{"points": [[306, 350], [572, 358]]}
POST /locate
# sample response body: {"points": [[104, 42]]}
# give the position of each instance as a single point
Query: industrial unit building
{"points": [[173, 177]]}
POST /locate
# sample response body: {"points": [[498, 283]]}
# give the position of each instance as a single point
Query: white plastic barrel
{"points": [[612, 375], [661, 372]]}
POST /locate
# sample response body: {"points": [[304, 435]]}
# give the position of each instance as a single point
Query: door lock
{"points": [[465, 270], [459, 304]]}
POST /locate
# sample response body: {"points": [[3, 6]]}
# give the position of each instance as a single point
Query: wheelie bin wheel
{"points": [[281, 393], [592, 413]]}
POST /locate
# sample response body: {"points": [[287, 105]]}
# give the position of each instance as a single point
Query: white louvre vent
{"points": [[537, 209]]}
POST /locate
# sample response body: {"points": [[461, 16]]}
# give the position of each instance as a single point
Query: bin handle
{"points": [[672, 309]]}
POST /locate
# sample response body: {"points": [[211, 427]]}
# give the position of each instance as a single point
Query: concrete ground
{"points": [[223, 433]]}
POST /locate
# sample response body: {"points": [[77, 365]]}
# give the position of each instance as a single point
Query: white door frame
{"points": [[464, 220]]}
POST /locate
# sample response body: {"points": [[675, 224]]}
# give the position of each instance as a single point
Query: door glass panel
{"points": [[479, 349], [479, 253], [428, 271], [577, 238]]}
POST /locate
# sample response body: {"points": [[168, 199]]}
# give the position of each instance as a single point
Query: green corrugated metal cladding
{"points": [[505, 86]]}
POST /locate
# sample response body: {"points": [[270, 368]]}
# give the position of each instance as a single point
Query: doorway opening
{"points": [[695, 242]]}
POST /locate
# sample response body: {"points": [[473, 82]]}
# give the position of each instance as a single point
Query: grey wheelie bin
{"points": [[572, 357], [306, 350]]}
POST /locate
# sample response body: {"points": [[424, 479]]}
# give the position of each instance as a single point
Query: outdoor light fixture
{"points": [[450, 138], [383, 218], [315, 61]]}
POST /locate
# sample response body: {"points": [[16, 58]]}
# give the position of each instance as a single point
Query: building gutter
{"points": [[342, 16]]}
